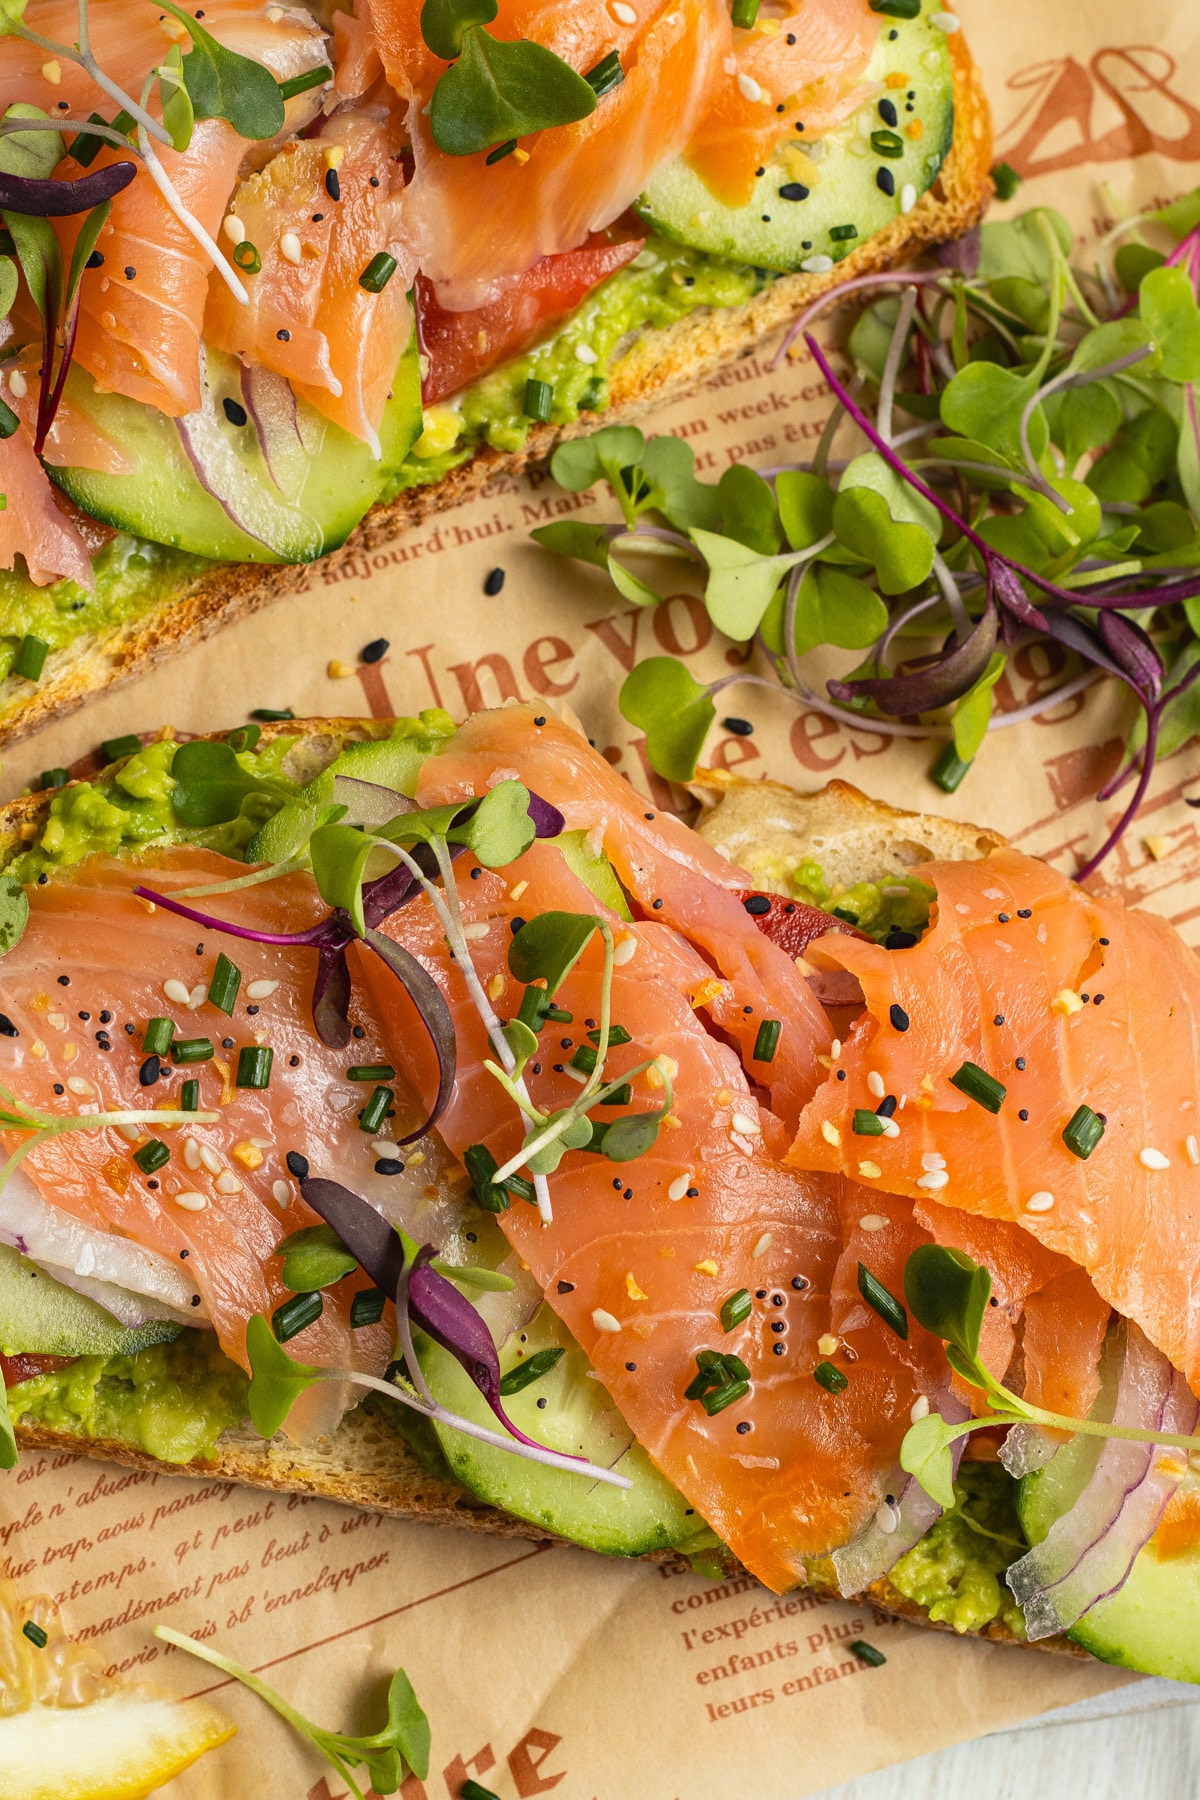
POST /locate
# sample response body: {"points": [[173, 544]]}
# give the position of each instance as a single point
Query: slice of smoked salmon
{"points": [[355, 53], [641, 1254], [673, 876], [32, 524], [1066, 1000], [309, 318], [794, 76], [481, 228]]}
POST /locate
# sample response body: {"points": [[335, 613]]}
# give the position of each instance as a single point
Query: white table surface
{"points": [[1138, 1743]]}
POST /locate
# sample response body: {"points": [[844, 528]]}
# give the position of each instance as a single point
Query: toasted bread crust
{"points": [[660, 366]]}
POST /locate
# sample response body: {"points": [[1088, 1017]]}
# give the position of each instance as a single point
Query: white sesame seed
{"points": [[261, 990], [763, 1245], [748, 88], [1153, 1159], [873, 1222], [475, 933], [585, 354], [890, 1128], [274, 14], [870, 1171], [233, 228], [228, 1182], [263, 1143], [749, 1127], [625, 950], [131, 1133], [191, 1154], [198, 996], [887, 1519], [835, 1049], [281, 1193], [830, 1133], [383, 1147], [1193, 1150], [210, 1159], [894, 891], [77, 1085], [190, 1201], [624, 15], [177, 992], [827, 1345], [604, 1321], [289, 247], [1042, 1201], [932, 1159], [18, 384], [908, 199], [945, 21], [875, 1084], [817, 265], [934, 1182], [679, 1187], [919, 1408], [58, 1020]]}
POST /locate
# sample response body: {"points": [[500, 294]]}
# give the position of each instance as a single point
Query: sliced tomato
{"points": [[789, 923], [16, 1369], [462, 346]]}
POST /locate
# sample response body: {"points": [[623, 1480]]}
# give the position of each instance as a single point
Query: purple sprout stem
{"points": [[1114, 837], [832, 295], [327, 931]]}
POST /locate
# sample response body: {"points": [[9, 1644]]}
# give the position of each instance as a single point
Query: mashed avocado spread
{"points": [[901, 903], [956, 1572]]}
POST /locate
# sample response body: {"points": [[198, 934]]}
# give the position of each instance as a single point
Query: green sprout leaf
{"points": [[497, 828], [223, 85], [660, 697], [947, 1293], [14, 912], [1169, 311], [340, 855], [32, 154], [548, 947], [210, 784], [669, 465], [496, 91], [1120, 338], [901, 554], [748, 510], [9, 283], [11, 14], [314, 1258], [832, 607], [925, 1455], [805, 507], [985, 403], [741, 582], [178, 113], [444, 23], [627, 1139], [576, 1134], [974, 711], [276, 1382]]}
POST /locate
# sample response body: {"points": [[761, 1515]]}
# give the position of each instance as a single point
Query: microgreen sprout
{"points": [[388, 1755], [948, 1294], [15, 1115]]}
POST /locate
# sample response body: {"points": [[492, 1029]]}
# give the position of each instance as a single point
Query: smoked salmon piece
{"points": [[673, 876], [32, 524], [640, 1255], [481, 228], [1066, 1000], [318, 213], [792, 77]]}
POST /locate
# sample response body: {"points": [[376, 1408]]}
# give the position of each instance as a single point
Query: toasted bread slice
{"points": [[766, 827], [659, 365]]}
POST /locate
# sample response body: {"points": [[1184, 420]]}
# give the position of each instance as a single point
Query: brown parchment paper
{"points": [[544, 1669]]}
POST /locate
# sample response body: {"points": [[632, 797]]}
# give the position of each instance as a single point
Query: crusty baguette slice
{"points": [[365, 1463], [660, 365]]}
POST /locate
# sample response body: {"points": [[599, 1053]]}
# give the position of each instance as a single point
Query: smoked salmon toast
{"points": [[315, 273], [435, 1065]]}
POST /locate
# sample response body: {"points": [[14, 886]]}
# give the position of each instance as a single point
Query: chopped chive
{"points": [[585, 1060], [9, 421], [366, 1308], [53, 778], [474, 1790], [735, 1309], [717, 1402], [37, 1637], [1084, 1132], [295, 1314], [157, 1038], [243, 739], [621, 1096], [378, 272], [300, 84], [558, 1015], [883, 1302], [192, 1050], [30, 659], [271, 715], [246, 256], [523, 1189], [847, 917], [745, 12], [887, 143], [608, 73], [767, 1041], [717, 1371], [481, 1166], [371, 1072], [539, 400], [617, 1034], [152, 1156], [500, 152], [867, 1653], [1005, 180], [830, 1377], [949, 770], [533, 1009], [117, 749], [223, 988], [526, 1373], [897, 9], [867, 1123], [842, 234], [376, 1110], [254, 1066], [979, 1086], [189, 1097], [86, 146]]}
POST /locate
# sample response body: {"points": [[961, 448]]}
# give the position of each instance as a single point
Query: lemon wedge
{"points": [[70, 1732]]}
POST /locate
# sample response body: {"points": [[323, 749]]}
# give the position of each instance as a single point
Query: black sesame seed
{"points": [[1103, 941], [1020, 1062], [999, 1019], [887, 1107], [899, 940], [1085, 998], [195, 1299], [794, 190], [888, 113], [841, 1074], [758, 905], [494, 583], [389, 1165], [251, 1010], [59, 1088], [779, 1349], [515, 925], [540, 720], [95, 260], [374, 181], [1023, 1115], [130, 272], [566, 1287], [629, 1193], [743, 1427], [150, 1071], [359, 1032], [152, 1184], [183, 1255], [799, 1282], [283, 335], [692, 1193], [227, 1043], [760, 1293], [317, 217], [43, 879], [618, 1183], [899, 1018], [1097, 999], [333, 186], [106, 1017], [375, 651], [129, 1030], [86, 1017], [64, 981], [658, 906], [778, 1325], [1025, 912], [293, 1062], [7, 1028], [631, 1368], [885, 181], [297, 1165], [543, 1403], [233, 412], [776, 1299], [648, 815]]}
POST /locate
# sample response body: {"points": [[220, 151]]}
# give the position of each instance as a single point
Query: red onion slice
{"points": [[1124, 1489], [880, 1544]]}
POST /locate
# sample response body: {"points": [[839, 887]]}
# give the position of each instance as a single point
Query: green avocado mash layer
{"points": [[956, 1572]]}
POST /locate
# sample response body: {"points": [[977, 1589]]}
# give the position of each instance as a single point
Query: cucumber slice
{"points": [[790, 220], [578, 1419], [41, 1317], [1152, 1623], [281, 486]]}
